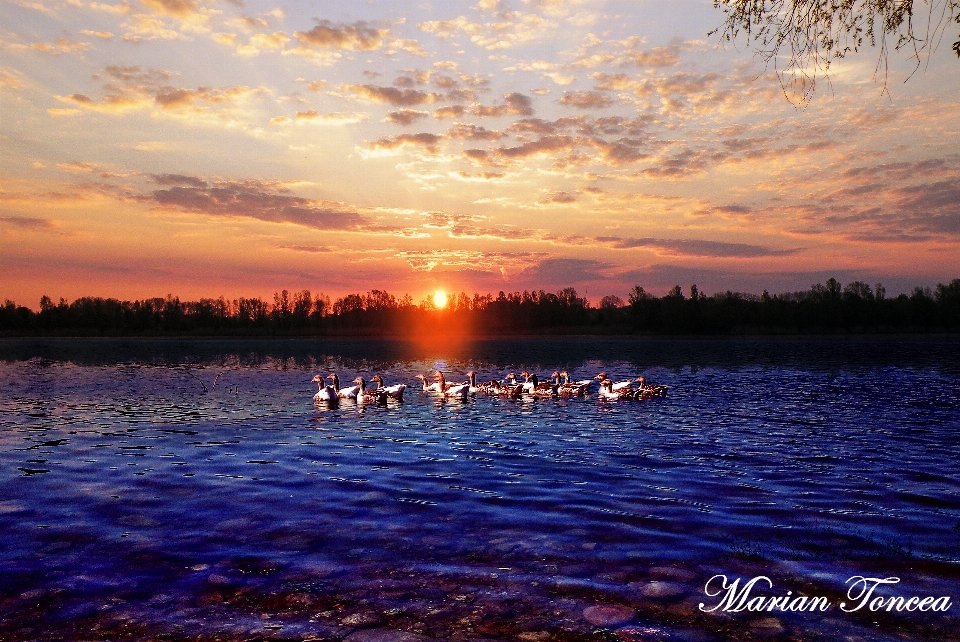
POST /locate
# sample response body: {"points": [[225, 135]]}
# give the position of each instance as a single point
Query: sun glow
{"points": [[440, 299]]}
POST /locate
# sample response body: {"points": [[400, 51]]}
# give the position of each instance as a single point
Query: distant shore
{"points": [[828, 309]]}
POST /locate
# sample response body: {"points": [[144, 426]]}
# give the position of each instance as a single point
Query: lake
{"points": [[168, 489]]}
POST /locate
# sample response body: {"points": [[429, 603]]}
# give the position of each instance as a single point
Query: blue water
{"points": [[191, 489]]}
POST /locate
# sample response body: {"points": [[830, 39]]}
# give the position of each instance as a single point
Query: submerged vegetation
{"points": [[824, 308]]}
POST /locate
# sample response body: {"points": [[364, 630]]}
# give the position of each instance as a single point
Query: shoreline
{"points": [[457, 338]]}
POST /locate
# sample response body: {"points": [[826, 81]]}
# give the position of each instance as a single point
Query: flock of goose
{"points": [[559, 385]]}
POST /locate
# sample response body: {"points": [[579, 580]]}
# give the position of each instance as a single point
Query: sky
{"points": [[239, 147]]}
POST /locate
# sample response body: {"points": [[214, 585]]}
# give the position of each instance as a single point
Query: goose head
{"points": [[601, 377]]}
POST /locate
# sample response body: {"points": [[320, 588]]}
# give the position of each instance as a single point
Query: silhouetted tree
{"points": [[810, 34]]}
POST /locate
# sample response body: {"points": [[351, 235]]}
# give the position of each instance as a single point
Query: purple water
{"points": [[140, 501]]}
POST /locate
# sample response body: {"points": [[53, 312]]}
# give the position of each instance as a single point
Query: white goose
{"points": [[324, 393], [616, 386], [343, 393], [433, 387], [457, 391], [451, 390], [394, 392], [609, 392]]}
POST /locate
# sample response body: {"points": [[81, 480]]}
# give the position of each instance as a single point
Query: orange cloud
{"points": [[452, 111], [514, 104], [586, 99], [250, 199], [359, 36], [176, 8], [405, 116], [425, 141], [391, 95]]}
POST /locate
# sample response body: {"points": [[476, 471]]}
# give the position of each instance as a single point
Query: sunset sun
{"points": [[440, 299]]}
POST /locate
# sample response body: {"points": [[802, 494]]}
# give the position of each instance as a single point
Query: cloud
{"points": [[684, 164], [565, 271], [276, 41], [586, 99], [145, 27], [392, 95], [547, 145], [253, 199], [60, 46], [430, 260], [179, 179], [506, 30], [559, 198], [657, 57], [901, 202], [132, 88], [312, 116], [452, 111], [473, 132], [405, 116], [11, 79], [428, 142], [482, 177], [181, 98], [359, 36], [117, 9], [104, 35], [27, 222], [176, 8], [314, 249], [702, 248], [513, 104], [449, 28], [406, 44]]}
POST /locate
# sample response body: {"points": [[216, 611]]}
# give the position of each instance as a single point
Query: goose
{"points": [[653, 390], [584, 384], [533, 387], [442, 381], [530, 381], [483, 388], [433, 387], [610, 393], [566, 388], [457, 391], [394, 392], [616, 386], [376, 395], [451, 390], [509, 388], [324, 393], [343, 393]]}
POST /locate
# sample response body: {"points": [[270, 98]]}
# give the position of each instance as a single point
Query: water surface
{"points": [[190, 490]]}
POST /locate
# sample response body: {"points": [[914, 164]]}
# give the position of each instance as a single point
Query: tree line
{"points": [[824, 308]]}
